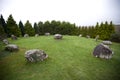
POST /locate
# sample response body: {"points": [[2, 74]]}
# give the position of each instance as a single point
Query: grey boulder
{"points": [[107, 42], [5, 41], [11, 47], [58, 36], [47, 34], [13, 37], [35, 55], [26, 35], [103, 51]]}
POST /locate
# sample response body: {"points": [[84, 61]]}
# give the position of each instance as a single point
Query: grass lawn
{"points": [[69, 59]]}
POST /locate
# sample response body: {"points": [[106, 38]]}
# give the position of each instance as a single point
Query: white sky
{"points": [[80, 12]]}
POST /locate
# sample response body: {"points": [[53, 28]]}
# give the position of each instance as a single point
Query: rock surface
{"points": [[36, 35], [47, 34], [35, 55], [58, 36], [13, 37], [80, 35], [11, 47], [103, 51], [5, 41], [107, 42], [26, 35]]}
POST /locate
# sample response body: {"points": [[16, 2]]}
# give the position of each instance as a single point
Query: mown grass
{"points": [[69, 59]]}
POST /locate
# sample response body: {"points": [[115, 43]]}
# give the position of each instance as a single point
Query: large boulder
{"points": [[102, 51], [58, 36], [13, 37], [35, 55], [11, 47], [5, 41], [107, 42]]}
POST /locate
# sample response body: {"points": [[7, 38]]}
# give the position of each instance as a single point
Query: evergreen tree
{"points": [[41, 28], [28, 29], [97, 29], [21, 26], [2, 33], [47, 27], [12, 27], [36, 28], [111, 28], [4, 25]]}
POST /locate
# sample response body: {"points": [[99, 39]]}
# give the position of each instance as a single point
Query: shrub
{"points": [[115, 37]]}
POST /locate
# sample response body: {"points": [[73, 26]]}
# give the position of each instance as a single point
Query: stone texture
{"points": [[36, 35], [11, 47], [35, 55], [107, 42], [47, 34], [80, 35], [87, 36], [26, 35], [13, 37], [103, 51], [58, 36], [5, 41], [96, 38]]}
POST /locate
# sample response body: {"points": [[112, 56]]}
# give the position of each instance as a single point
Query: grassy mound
{"points": [[69, 59]]}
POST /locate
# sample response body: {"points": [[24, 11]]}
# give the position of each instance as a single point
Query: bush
{"points": [[115, 37]]}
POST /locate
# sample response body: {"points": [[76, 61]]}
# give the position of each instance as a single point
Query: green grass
{"points": [[69, 59]]}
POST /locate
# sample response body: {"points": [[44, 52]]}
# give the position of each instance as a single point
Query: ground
{"points": [[69, 59]]}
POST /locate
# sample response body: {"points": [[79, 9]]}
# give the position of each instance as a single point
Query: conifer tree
{"points": [[12, 27], [28, 29], [36, 28], [21, 26], [4, 25], [2, 33]]}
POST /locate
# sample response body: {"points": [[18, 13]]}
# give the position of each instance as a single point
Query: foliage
{"points": [[12, 27], [104, 30], [36, 28], [2, 33], [69, 59], [21, 26], [3, 24], [115, 37], [28, 29]]}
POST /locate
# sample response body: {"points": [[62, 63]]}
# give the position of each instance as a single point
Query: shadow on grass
{"points": [[4, 53]]}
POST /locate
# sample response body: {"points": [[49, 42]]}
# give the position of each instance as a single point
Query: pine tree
{"points": [[28, 29], [4, 25], [111, 28], [21, 27], [12, 27], [36, 28], [2, 33]]}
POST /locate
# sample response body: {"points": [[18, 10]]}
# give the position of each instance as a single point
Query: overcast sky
{"points": [[80, 12]]}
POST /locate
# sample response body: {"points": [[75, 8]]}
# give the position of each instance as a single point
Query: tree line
{"points": [[9, 27]]}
